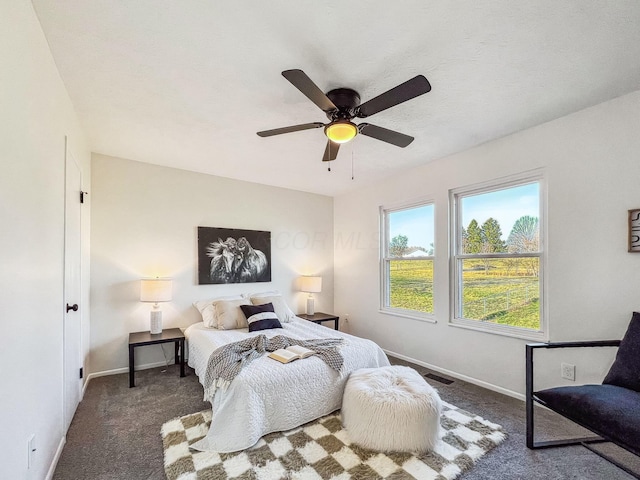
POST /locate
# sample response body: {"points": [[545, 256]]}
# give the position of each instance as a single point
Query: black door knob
{"points": [[73, 307]]}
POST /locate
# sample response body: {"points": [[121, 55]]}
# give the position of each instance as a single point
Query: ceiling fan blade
{"points": [[302, 82], [390, 136], [292, 128], [405, 91], [331, 151]]}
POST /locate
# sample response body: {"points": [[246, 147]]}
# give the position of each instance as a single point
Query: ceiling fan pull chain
{"points": [[352, 175]]}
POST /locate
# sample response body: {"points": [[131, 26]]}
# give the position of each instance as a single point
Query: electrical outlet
{"points": [[31, 451], [346, 318], [568, 371]]}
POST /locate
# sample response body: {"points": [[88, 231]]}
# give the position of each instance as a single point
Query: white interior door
{"points": [[72, 289]]}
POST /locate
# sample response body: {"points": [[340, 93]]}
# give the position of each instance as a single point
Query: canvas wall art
{"points": [[231, 255]]}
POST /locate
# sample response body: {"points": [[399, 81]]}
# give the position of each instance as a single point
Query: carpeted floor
{"points": [[115, 433]]}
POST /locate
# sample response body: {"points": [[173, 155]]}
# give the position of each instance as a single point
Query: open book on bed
{"points": [[289, 354]]}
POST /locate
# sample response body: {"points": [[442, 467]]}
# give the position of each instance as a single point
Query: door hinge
{"points": [[81, 372], [82, 194]]}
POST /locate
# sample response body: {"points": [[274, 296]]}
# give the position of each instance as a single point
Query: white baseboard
{"points": [[116, 371], [475, 381], [84, 386], [56, 457]]}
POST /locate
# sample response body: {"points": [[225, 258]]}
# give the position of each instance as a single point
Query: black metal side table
{"points": [[319, 317], [139, 339]]}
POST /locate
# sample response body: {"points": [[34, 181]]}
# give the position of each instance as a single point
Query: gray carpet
{"points": [[115, 433]]}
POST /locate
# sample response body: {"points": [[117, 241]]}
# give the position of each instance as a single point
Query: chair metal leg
{"points": [[530, 412], [612, 460], [532, 444]]}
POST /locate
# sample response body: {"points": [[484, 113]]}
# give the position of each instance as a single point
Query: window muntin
{"points": [[407, 260], [497, 261]]}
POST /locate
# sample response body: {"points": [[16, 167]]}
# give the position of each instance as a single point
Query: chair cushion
{"points": [[607, 410], [625, 371]]}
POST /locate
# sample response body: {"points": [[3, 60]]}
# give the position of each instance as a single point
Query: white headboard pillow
{"points": [[282, 310]]}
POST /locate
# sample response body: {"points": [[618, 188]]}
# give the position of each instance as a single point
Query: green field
{"points": [[497, 291]]}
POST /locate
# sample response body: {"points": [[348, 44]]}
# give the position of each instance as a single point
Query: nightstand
{"points": [[319, 317], [139, 339]]}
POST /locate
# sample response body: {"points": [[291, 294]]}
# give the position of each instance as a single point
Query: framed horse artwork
{"points": [[231, 255]]}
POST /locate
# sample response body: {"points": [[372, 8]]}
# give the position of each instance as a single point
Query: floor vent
{"points": [[438, 378]]}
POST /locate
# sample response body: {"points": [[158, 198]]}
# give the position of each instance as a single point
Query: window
{"points": [[497, 257], [407, 260]]}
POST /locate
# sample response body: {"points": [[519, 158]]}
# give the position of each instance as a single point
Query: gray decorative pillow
{"points": [[207, 309], [625, 371], [228, 315]]}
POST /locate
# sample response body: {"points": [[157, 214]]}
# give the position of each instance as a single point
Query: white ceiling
{"points": [[187, 83]]}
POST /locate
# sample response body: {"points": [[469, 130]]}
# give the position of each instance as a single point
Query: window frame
{"points": [[385, 286], [456, 259]]}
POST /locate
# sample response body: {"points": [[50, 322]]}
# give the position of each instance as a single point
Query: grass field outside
{"points": [[411, 285], [497, 291]]}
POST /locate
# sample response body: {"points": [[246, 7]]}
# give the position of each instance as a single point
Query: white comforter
{"points": [[268, 396]]}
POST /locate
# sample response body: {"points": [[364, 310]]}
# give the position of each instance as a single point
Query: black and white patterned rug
{"points": [[321, 450]]}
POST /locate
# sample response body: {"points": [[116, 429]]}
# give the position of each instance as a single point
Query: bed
{"points": [[268, 396]]}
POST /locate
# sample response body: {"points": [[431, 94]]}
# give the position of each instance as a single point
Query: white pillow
{"points": [[208, 311], [270, 293], [229, 314], [283, 312]]}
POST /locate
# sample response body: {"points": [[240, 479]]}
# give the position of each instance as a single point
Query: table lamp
{"points": [[155, 290], [310, 285]]}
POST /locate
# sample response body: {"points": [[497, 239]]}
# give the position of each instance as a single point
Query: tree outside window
{"points": [[498, 256]]}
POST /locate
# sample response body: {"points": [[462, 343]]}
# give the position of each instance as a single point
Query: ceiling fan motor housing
{"points": [[347, 101]]}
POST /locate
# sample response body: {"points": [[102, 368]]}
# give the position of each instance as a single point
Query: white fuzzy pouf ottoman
{"points": [[391, 409]]}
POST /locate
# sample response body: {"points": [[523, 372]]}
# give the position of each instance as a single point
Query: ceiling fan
{"points": [[341, 105]]}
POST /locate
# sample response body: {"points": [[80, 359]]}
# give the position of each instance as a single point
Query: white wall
{"points": [[144, 223], [35, 115], [592, 163]]}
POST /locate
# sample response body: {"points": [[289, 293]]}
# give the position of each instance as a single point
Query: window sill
{"points": [[497, 329], [428, 318]]}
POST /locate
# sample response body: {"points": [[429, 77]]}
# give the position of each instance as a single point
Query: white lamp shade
{"points": [[155, 290], [311, 284]]}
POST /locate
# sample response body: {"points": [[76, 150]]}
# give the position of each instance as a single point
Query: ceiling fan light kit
{"points": [[341, 105], [341, 131]]}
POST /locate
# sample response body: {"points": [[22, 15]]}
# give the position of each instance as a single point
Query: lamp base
{"points": [[310, 306], [156, 322]]}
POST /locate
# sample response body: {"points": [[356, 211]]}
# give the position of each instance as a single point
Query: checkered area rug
{"points": [[321, 450]]}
